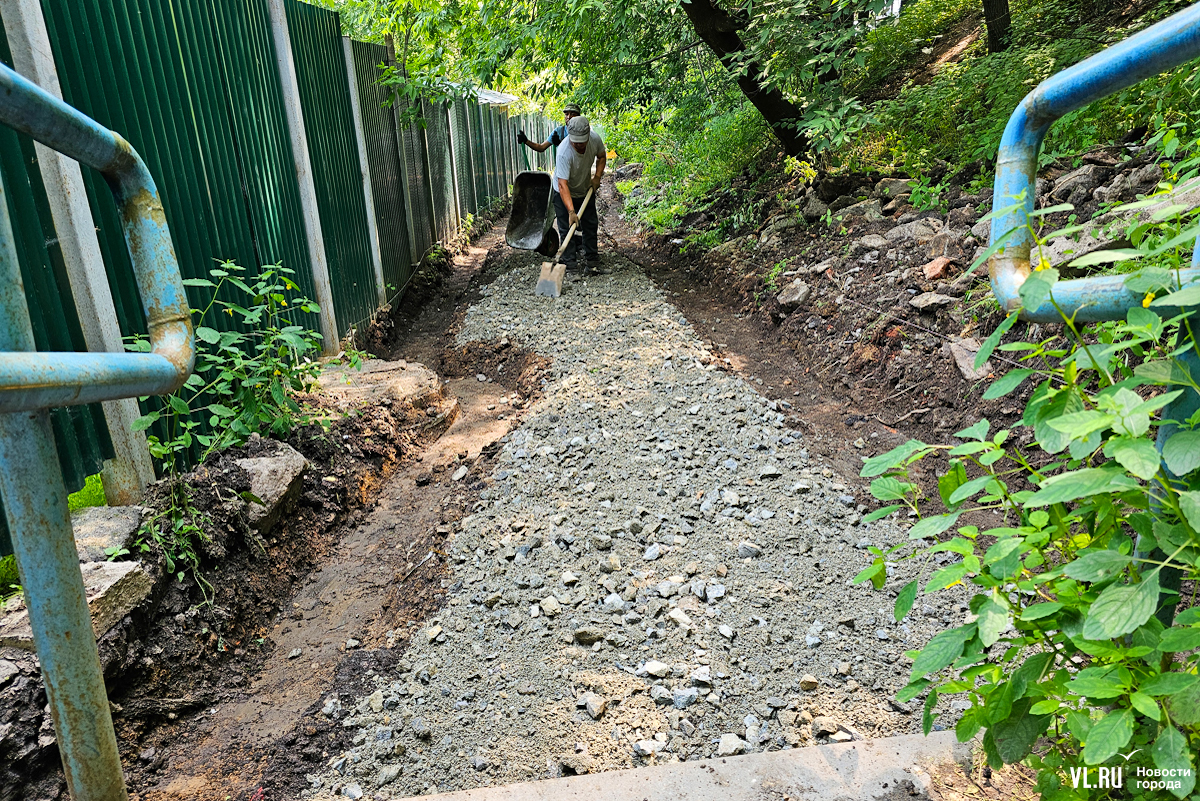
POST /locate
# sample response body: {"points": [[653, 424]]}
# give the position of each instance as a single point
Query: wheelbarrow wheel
{"points": [[550, 243]]}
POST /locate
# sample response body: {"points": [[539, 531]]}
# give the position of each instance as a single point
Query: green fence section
{"points": [[441, 169], [333, 152], [386, 167], [80, 435], [194, 86]]}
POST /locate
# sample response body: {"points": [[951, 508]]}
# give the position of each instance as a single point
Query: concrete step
{"points": [[892, 768]]}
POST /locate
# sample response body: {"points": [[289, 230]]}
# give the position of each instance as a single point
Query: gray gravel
{"points": [[658, 571]]}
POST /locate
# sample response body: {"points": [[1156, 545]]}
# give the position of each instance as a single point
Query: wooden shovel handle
{"points": [[571, 230]]}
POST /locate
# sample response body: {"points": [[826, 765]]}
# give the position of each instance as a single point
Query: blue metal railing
{"points": [[1174, 41], [35, 499], [1163, 46]]}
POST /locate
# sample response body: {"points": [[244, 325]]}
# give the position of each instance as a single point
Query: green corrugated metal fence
{"points": [[464, 171], [441, 170], [387, 172], [329, 126]]}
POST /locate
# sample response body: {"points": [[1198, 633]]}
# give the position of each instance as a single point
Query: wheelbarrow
{"points": [[531, 222]]}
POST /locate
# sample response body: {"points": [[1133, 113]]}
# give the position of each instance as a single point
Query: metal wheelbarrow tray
{"points": [[531, 221]]}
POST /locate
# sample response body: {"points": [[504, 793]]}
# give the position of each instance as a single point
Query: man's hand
{"points": [[573, 218], [521, 138]]}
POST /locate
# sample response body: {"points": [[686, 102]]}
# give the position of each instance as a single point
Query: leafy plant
{"points": [[772, 278], [1076, 639], [241, 385], [92, 494], [927, 196]]}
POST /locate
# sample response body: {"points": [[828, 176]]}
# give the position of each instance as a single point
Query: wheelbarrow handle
{"points": [[571, 230]]}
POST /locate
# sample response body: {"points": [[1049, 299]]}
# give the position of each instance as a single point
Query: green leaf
{"points": [[989, 344], [1015, 735], [1097, 566], [872, 572], [927, 716], [1169, 683], [932, 526], [951, 480], [1177, 639], [889, 488], [1096, 686], [1064, 402], [976, 432], [1047, 707], [144, 422], [1146, 705], [1007, 383], [1106, 257], [1121, 608], [1108, 736], [1188, 296], [992, 619], [1184, 706], [1182, 452], [1079, 484], [940, 651], [1136, 454], [198, 282], [1171, 754], [1079, 424], [1189, 505], [878, 465], [1037, 288], [879, 514], [971, 487], [1163, 371], [1039, 611], [945, 577], [912, 690], [905, 600], [209, 335], [1188, 617], [178, 404]]}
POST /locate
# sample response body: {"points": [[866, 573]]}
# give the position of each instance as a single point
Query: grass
{"points": [[92, 494]]}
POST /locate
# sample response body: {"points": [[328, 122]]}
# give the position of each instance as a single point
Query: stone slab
{"points": [[378, 381], [114, 589], [853, 771], [275, 480], [98, 528]]}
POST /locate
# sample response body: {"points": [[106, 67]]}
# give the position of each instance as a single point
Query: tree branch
{"points": [[648, 61]]}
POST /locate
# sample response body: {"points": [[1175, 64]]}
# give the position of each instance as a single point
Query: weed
{"points": [[92, 494]]}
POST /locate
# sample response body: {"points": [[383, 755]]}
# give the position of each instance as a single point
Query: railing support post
{"points": [[35, 503]]}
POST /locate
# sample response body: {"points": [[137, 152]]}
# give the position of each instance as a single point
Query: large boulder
{"points": [[813, 208], [893, 187], [1077, 186], [796, 294], [922, 230], [868, 210]]}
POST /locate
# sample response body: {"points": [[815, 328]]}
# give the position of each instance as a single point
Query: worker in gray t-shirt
{"points": [[572, 178]]}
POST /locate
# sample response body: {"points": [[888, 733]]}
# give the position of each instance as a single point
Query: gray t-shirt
{"points": [[575, 167]]}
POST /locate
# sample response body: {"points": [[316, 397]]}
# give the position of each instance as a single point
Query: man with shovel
{"points": [[573, 178]]}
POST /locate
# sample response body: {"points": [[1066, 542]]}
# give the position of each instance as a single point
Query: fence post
{"points": [[130, 470], [368, 196], [390, 59], [308, 192]]}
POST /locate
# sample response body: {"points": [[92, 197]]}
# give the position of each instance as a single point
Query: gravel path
{"points": [[658, 571]]}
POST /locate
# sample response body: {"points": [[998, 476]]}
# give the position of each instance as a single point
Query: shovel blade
{"points": [[551, 279]]}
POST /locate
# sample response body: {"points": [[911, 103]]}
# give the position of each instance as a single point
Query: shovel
{"points": [[551, 279]]}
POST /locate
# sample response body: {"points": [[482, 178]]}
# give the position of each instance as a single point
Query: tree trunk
{"points": [[718, 30], [998, 20]]}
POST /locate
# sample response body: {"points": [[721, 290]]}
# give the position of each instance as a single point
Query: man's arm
{"points": [[541, 148], [565, 194], [601, 160]]}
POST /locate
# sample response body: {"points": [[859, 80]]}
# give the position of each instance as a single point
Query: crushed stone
{"points": [[657, 571]]}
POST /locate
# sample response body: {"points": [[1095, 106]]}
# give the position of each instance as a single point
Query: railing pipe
{"points": [[35, 381], [1167, 44], [35, 500], [1174, 41]]}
